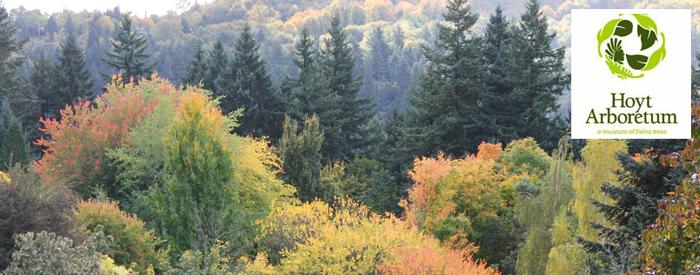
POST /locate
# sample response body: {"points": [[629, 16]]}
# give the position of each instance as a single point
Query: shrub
{"points": [[133, 243], [38, 253], [27, 204]]}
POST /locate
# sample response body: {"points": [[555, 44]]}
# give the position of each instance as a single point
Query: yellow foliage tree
{"points": [[598, 166]]}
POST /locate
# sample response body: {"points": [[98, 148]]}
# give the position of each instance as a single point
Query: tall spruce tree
{"points": [[347, 128], [128, 54], [300, 151], [496, 39], [246, 84], [446, 109], [41, 81], [217, 62], [72, 79], [308, 92], [197, 71], [644, 182], [538, 77]]}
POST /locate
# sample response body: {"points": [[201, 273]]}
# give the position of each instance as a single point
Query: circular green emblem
{"points": [[631, 45]]}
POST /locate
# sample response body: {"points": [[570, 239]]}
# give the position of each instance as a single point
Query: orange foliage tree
{"points": [[433, 260], [74, 147], [459, 201]]}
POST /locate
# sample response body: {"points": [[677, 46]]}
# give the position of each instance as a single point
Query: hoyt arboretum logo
{"points": [[631, 45]]}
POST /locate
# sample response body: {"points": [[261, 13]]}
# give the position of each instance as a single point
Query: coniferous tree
{"points": [[378, 73], [12, 88], [14, 147], [496, 39], [246, 84], [42, 83], [394, 154], [644, 182], [197, 71], [308, 92], [128, 54], [217, 62], [538, 77], [446, 109], [94, 51], [72, 79], [346, 131], [300, 151]]}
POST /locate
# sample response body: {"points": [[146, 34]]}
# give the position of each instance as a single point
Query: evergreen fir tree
{"points": [[538, 77], [14, 148], [346, 131], [308, 92], [197, 71], [42, 83], [246, 84], [644, 182], [72, 79], [446, 109], [217, 62], [300, 151], [496, 39], [128, 54], [394, 154]]}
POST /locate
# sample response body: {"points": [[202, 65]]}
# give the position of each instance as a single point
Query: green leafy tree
{"points": [[537, 210], [246, 84], [301, 155], [346, 130], [445, 111], [128, 54], [532, 57], [197, 205], [72, 79]]}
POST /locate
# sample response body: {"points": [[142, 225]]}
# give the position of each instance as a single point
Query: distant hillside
{"points": [[277, 24]]}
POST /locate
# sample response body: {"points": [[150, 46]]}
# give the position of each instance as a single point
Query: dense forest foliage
{"points": [[317, 137]]}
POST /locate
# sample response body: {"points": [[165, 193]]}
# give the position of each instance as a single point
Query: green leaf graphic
{"points": [[647, 36], [645, 21], [614, 51], [606, 32], [657, 56], [620, 71], [623, 28], [637, 62]]}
